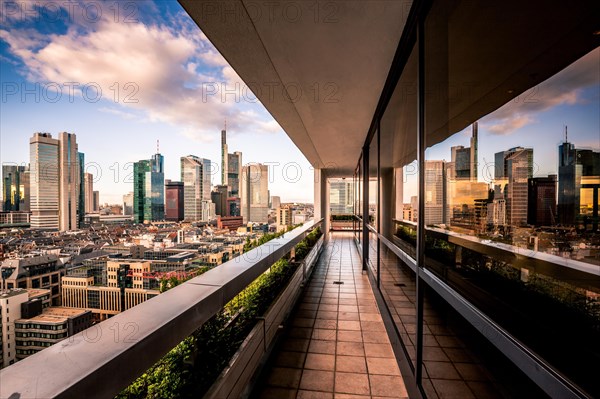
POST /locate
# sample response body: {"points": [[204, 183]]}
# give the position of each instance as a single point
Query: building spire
{"points": [[566, 135], [157, 147]]}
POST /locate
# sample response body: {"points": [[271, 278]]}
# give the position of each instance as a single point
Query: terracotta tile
{"points": [[302, 322], [300, 332], [378, 350], [295, 345], [348, 316], [277, 393], [284, 377], [372, 325], [442, 370], [383, 366], [327, 315], [370, 317], [386, 385], [350, 396], [325, 324], [351, 364], [350, 349], [322, 347], [354, 383], [375, 337], [317, 380], [290, 359], [348, 308], [328, 308], [349, 325], [319, 361], [325, 335], [349, 336], [314, 395]]}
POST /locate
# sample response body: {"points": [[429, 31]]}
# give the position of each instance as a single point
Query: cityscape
{"points": [[270, 200]]}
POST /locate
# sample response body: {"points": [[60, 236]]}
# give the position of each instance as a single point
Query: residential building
{"points": [[284, 217], [43, 271]]}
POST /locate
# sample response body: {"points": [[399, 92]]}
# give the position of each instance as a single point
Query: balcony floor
{"points": [[335, 345]]}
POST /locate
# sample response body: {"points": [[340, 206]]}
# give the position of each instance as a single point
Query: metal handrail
{"points": [[104, 359]]}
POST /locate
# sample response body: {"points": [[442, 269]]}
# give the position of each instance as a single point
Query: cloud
{"points": [[118, 112], [565, 87], [170, 72]]}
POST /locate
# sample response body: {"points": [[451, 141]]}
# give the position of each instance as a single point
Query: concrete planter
{"points": [[235, 380]]}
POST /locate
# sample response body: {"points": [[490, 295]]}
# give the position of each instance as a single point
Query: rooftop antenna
{"points": [[157, 147], [225, 124], [566, 135]]}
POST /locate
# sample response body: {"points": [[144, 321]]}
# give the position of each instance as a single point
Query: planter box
{"points": [[235, 380]]}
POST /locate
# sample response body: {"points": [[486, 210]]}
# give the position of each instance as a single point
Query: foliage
{"points": [[342, 217], [191, 367]]}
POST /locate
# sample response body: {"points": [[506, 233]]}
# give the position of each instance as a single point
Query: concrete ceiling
{"points": [[331, 58], [319, 67]]}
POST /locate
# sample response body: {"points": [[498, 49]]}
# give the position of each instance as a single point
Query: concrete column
{"points": [[321, 202]]}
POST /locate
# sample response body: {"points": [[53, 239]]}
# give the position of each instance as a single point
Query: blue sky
{"points": [[122, 75]]}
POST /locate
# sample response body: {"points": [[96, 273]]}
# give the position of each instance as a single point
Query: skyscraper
{"points": [[516, 167], [435, 193], [341, 196], [541, 209], [69, 181], [44, 175], [148, 189], [464, 160], [89, 193], [128, 204], [196, 178], [82, 190], [174, 204], [224, 157], [219, 198], [96, 197], [255, 193], [578, 172], [14, 183]]}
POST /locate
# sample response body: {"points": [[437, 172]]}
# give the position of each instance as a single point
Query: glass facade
{"points": [[476, 201]]}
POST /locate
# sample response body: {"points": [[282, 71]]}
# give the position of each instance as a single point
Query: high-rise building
{"points": [[224, 156], [516, 167], [96, 199], [435, 193], [575, 166], [341, 196], [255, 193], [69, 179], [275, 202], [44, 177], [196, 178], [88, 182], [174, 203], [464, 160], [128, 204], [219, 198], [148, 189], [234, 164], [541, 209], [81, 210], [14, 182], [284, 217]]}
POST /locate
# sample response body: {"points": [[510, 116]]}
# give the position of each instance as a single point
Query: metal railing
{"points": [[104, 359]]}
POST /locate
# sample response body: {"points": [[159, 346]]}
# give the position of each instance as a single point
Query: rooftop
{"points": [[55, 315]]}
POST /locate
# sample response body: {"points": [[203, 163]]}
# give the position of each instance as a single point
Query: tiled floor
{"points": [[335, 345]]}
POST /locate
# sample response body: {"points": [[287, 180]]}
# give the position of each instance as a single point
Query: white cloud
{"points": [[160, 70]]}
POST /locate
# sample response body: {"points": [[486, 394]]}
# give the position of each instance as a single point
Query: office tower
{"points": [[96, 198], [88, 182], [82, 189], [196, 178], [341, 194], [435, 192], [464, 160], [541, 209], [578, 184], [515, 166], [68, 182], [44, 176], [174, 204], [128, 204], [224, 156], [148, 189], [219, 197], [234, 164], [14, 183], [255, 193], [275, 202]]}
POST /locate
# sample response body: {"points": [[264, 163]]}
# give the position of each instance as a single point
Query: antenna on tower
{"points": [[225, 124], [157, 147], [566, 135]]}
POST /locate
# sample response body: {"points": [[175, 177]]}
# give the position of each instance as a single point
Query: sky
{"points": [[124, 75]]}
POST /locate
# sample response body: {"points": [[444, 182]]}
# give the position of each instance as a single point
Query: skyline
{"points": [[177, 103]]}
